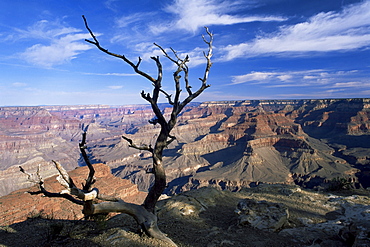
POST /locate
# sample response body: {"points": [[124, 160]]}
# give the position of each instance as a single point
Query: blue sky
{"points": [[263, 49]]}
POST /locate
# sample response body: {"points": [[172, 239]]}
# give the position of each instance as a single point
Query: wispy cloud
{"points": [[263, 77], [313, 78], [61, 50], [115, 87], [352, 84], [336, 93], [190, 15], [44, 30], [55, 43], [128, 20], [331, 31], [252, 77], [19, 84], [148, 50]]}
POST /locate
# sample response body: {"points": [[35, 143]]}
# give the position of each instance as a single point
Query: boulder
{"points": [[262, 214], [349, 227]]}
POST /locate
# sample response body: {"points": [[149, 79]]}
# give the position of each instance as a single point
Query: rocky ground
{"points": [[209, 217]]}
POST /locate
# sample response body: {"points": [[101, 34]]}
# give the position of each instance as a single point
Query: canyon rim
{"points": [[224, 144]]}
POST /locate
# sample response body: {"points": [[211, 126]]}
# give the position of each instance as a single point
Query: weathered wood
{"points": [[146, 220], [90, 179], [164, 137], [143, 214]]}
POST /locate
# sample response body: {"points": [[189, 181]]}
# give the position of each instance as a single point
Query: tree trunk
{"points": [[159, 172], [146, 220]]}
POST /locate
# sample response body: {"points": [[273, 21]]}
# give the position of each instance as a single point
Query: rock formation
{"points": [[227, 144], [20, 205], [262, 215]]}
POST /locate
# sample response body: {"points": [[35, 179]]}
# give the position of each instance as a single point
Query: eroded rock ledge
{"points": [[19, 205]]}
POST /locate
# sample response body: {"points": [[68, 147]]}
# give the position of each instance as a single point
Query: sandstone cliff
{"points": [[20, 205], [239, 144], [30, 136], [230, 144]]}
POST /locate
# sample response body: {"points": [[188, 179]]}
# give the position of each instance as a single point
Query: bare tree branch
{"points": [[204, 80], [97, 44], [146, 220], [90, 179], [143, 214], [172, 138], [156, 82], [37, 179], [33, 178], [142, 147], [168, 96]]}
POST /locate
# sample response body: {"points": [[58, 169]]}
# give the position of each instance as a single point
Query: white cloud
{"points": [[309, 77], [115, 87], [314, 78], [196, 57], [331, 31], [59, 44], [351, 84], [285, 77], [128, 20], [44, 29], [110, 4], [253, 76], [148, 50], [194, 14], [19, 84], [58, 52]]}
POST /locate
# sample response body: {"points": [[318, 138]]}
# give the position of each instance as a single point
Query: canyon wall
{"points": [[226, 144]]}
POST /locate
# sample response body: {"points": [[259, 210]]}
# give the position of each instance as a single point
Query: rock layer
{"points": [[228, 144], [20, 205]]}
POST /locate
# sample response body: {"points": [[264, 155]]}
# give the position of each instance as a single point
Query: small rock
{"points": [[314, 232], [306, 221], [290, 191], [226, 243], [117, 237]]}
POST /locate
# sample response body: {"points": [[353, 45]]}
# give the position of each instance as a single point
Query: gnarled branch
{"points": [[37, 179], [134, 66], [90, 179], [144, 214], [146, 220], [142, 147]]}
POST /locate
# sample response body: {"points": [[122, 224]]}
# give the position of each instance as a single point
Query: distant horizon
{"points": [[191, 103]]}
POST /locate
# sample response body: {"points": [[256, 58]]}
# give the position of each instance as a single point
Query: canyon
{"points": [[225, 144]]}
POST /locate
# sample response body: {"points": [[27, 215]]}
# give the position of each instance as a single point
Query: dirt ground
{"points": [[204, 217]]}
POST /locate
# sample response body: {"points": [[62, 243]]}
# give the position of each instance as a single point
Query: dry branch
{"points": [[142, 147], [37, 179], [143, 214], [164, 137], [90, 179], [146, 220]]}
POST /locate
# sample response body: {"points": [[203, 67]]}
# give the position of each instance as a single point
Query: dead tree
{"points": [[143, 214], [164, 138]]}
